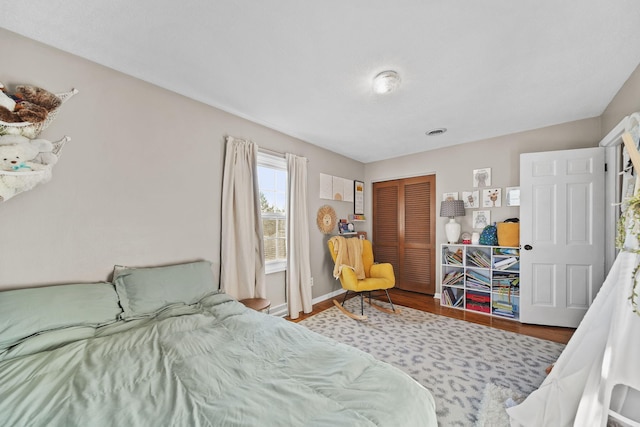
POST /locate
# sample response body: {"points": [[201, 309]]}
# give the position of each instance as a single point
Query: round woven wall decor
{"points": [[326, 219]]}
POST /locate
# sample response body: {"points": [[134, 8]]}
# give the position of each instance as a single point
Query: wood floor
{"points": [[429, 304]]}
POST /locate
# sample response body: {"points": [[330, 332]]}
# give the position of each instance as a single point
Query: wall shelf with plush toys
{"points": [[25, 159]]}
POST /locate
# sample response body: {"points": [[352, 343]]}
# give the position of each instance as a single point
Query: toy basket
{"points": [[13, 183], [32, 130]]}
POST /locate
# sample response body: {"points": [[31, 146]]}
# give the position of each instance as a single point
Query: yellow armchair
{"points": [[377, 277]]}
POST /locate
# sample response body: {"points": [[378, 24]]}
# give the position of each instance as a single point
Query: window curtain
{"points": [[298, 275], [242, 248]]}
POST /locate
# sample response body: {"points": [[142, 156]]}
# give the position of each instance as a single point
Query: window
{"points": [[272, 180]]}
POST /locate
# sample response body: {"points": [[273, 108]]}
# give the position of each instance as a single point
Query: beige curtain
{"points": [[242, 248], [298, 260]]}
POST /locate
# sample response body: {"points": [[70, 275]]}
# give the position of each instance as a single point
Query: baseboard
{"points": [[328, 296], [282, 310], [279, 310]]}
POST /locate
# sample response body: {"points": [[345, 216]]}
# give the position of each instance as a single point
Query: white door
{"points": [[561, 234]]}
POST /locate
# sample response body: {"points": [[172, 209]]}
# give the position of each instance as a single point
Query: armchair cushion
{"points": [[384, 271], [378, 276]]}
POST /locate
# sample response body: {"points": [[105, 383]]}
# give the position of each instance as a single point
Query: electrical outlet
{"points": [[312, 281]]}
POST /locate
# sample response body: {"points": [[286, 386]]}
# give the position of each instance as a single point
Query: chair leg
{"points": [[362, 303], [345, 298], [389, 298]]}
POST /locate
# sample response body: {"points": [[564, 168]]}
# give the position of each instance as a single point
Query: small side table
{"points": [[258, 304]]}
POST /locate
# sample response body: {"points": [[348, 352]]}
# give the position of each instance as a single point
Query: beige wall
{"points": [[140, 182], [626, 101], [454, 166]]}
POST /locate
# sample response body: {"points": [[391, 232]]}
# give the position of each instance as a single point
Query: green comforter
{"points": [[213, 364]]}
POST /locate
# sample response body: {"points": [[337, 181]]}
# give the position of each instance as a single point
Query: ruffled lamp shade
{"points": [[452, 209]]}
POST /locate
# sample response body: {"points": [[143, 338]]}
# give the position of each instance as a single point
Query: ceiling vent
{"points": [[434, 132]]}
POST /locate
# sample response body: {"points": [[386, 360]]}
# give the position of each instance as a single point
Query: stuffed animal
{"points": [[5, 100], [18, 152], [37, 96], [28, 104]]}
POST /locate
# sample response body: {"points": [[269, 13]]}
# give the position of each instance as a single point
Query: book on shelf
{"points": [[508, 291], [453, 277], [503, 275], [503, 313], [478, 297], [446, 297], [451, 299], [502, 306], [453, 258], [512, 286], [513, 267], [507, 251], [356, 217], [479, 258], [478, 287], [478, 307], [505, 262], [478, 277], [506, 281]]}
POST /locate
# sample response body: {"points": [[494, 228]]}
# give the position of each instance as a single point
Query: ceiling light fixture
{"points": [[386, 81], [437, 131]]}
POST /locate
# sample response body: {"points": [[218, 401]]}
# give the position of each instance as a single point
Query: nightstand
{"points": [[258, 304]]}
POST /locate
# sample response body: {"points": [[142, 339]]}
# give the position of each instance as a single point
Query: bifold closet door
{"points": [[404, 230]]}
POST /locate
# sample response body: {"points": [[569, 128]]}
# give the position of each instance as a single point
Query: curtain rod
{"points": [[272, 152], [276, 153]]}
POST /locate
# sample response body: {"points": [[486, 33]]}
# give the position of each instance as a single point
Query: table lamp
{"points": [[452, 209]]}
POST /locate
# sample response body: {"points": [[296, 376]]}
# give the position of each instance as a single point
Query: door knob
{"points": [[528, 247]]}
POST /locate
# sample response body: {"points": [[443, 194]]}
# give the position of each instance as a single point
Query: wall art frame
{"points": [[358, 197]]}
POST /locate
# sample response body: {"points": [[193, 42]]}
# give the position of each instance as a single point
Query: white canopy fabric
{"points": [[604, 351]]}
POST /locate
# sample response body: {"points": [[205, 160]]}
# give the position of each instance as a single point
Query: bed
{"points": [[162, 347]]}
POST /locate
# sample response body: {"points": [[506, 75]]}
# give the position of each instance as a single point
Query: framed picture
{"points": [[482, 177], [481, 218], [492, 198], [450, 196], [513, 196], [471, 199], [358, 197]]}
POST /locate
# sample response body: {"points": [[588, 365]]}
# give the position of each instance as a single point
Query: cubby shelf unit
{"points": [[484, 279]]}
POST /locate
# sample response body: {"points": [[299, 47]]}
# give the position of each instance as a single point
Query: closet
{"points": [[404, 230]]}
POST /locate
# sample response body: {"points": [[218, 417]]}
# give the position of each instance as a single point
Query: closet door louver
{"points": [[386, 227], [404, 230], [418, 255]]}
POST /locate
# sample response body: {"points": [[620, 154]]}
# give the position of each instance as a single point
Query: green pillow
{"points": [[144, 291], [28, 311]]}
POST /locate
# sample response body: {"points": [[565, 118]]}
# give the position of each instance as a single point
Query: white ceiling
{"points": [[479, 68]]}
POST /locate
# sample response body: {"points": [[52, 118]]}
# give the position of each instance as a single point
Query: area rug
{"points": [[493, 408], [452, 358]]}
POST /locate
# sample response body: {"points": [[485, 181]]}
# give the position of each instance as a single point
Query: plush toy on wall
{"points": [[5, 100], [28, 104], [25, 163], [17, 153]]}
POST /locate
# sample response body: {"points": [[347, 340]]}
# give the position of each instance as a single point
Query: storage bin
{"points": [[509, 234]]}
